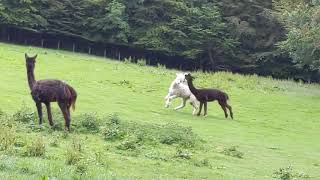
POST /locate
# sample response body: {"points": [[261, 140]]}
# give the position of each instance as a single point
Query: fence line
{"points": [[107, 50]]}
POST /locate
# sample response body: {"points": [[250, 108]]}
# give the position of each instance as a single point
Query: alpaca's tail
{"points": [[73, 97], [226, 96]]}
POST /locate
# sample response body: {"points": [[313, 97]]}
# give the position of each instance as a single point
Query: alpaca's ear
{"points": [[26, 55], [35, 56]]}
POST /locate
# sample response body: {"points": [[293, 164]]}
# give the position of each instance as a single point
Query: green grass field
{"points": [[276, 124]]}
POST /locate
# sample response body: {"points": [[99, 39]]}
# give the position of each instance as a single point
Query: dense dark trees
{"points": [[246, 36]]}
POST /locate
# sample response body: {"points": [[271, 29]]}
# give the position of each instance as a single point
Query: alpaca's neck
{"points": [[192, 88], [31, 78]]}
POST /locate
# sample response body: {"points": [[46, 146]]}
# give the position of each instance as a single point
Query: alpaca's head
{"points": [[189, 77], [30, 61], [180, 78]]}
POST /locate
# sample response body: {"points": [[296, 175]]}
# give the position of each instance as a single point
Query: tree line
{"points": [[279, 39]]}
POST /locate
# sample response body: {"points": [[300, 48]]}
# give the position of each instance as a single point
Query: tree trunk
{"points": [[211, 60]]}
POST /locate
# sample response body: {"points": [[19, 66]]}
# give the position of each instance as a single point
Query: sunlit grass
{"points": [[276, 123]]}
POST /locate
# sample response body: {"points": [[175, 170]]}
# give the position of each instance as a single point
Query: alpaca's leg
{"points": [[39, 108], [223, 106], [194, 102], [169, 99], [194, 111], [230, 110], [69, 118], [205, 109], [64, 110], [194, 108], [49, 114], [200, 108], [183, 104]]}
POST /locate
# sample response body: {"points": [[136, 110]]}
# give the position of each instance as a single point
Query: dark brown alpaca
{"points": [[208, 95], [46, 91]]}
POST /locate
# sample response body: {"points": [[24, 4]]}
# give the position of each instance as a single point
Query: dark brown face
{"points": [[30, 61], [189, 77]]}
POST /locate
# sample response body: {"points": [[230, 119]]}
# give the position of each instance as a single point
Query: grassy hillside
{"points": [[276, 124]]}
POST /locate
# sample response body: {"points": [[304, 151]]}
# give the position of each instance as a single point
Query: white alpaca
{"points": [[180, 88]]}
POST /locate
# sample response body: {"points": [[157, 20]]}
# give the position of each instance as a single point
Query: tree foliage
{"points": [[227, 34], [302, 21]]}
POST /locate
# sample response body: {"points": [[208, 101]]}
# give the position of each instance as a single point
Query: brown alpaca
{"points": [[46, 91], [208, 95]]}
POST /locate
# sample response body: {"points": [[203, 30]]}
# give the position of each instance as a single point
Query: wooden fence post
{"points": [[59, 44], [42, 42], [105, 53], [89, 50], [73, 47]]}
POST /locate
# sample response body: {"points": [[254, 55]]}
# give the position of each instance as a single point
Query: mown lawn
{"points": [[276, 124]]}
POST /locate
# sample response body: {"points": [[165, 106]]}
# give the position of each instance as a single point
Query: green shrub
{"points": [[113, 129], [90, 122], [36, 149], [113, 133], [114, 119], [175, 134]]}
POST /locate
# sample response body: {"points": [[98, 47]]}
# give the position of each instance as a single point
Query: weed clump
{"points": [[288, 174], [141, 62], [129, 144], [160, 66], [183, 153], [81, 168], [203, 163], [7, 163], [169, 134], [233, 152], [7, 138], [74, 154], [284, 173], [175, 134], [128, 60], [1, 113], [36, 148], [54, 142], [24, 115]]}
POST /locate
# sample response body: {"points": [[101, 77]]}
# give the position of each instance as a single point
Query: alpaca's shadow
{"points": [[201, 117]]}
